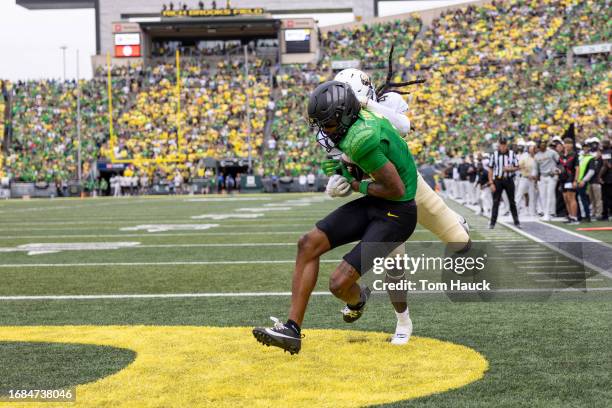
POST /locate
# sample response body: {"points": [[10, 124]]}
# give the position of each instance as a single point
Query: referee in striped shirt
{"points": [[502, 168]]}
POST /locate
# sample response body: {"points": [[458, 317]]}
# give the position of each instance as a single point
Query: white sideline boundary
{"points": [[586, 263], [585, 237], [272, 294]]}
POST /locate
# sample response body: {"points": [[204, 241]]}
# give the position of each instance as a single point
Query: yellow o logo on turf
{"points": [[179, 366]]}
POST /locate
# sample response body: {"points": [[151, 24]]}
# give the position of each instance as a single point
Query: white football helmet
{"points": [[359, 82]]}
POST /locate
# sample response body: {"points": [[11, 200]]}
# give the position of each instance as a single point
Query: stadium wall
{"points": [[116, 10]]}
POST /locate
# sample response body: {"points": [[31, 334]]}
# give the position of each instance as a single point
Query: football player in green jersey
{"points": [[384, 217]]}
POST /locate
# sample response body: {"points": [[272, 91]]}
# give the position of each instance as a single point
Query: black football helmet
{"points": [[332, 109]]}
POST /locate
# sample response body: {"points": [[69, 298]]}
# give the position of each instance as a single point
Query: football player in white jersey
{"points": [[432, 214]]}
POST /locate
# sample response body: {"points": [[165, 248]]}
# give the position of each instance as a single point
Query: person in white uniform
{"points": [[548, 174], [526, 184], [433, 213]]}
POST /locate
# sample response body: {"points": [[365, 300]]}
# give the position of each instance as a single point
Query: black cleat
{"points": [[351, 315], [279, 336]]}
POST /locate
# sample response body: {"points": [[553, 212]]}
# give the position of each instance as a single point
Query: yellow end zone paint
{"points": [[180, 366]]}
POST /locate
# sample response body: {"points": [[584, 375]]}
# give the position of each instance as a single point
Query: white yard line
{"points": [[151, 235], [134, 220], [569, 280], [537, 256], [175, 263], [116, 228], [554, 273], [550, 266], [230, 245], [269, 294], [524, 252]]}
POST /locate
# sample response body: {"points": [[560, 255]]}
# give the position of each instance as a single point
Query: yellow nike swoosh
{"points": [[392, 215]]}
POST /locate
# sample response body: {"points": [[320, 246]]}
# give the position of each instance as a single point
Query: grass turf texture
{"points": [[56, 365], [552, 352]]}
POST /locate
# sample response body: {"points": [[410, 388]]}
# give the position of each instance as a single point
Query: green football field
{"points": [[88, 285]]}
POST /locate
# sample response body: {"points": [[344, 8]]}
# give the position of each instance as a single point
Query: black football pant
{"points": [[606, 193], [506, 184]]}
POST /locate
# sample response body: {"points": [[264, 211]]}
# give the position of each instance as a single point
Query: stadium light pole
{"points": [[63, 48], [79, 164], [248, 106]]}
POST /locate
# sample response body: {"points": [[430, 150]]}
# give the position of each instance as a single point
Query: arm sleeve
{"points": [[588, 175], [399, 120]]}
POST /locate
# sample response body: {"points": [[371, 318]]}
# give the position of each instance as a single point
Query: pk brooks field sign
{"points": [[214, 12]]}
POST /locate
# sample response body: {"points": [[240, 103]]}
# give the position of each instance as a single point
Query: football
{"points": [[353, 169]]}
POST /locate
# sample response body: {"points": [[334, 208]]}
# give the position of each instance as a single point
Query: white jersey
{"points": [[393, 100]]}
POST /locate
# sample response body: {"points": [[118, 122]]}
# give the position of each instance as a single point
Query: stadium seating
{"points": [[213, 113], [370, 44], [497, 69], [44, 129], [474, 58], [592, 25], [293, 150]]}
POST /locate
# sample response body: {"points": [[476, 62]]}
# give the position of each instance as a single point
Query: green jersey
{"points": [[372, 141]]}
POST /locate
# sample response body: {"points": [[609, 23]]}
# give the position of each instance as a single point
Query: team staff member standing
{"points": [[548, 175], [567, 177], [502, 167], [605, 175]]}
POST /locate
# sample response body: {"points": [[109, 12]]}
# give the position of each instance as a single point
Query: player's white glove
{"points": [[338, 186]]}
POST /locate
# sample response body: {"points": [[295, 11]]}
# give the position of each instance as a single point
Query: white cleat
{"points": [[403, 331], [464, 224]]}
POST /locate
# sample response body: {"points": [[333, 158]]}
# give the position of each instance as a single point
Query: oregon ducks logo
{"points": [[214, 366]]}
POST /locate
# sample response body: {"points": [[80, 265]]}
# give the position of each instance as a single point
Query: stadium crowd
{"points": [[559, 178], [494, 70], [368, 44]]}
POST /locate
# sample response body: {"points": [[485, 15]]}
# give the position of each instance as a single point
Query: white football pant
{"points": [[436, 216]]}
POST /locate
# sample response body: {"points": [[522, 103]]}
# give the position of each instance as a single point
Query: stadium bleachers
{"points": [[44, 133], [369, 43], [292, 149], [495, 69], [472, 56]]}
